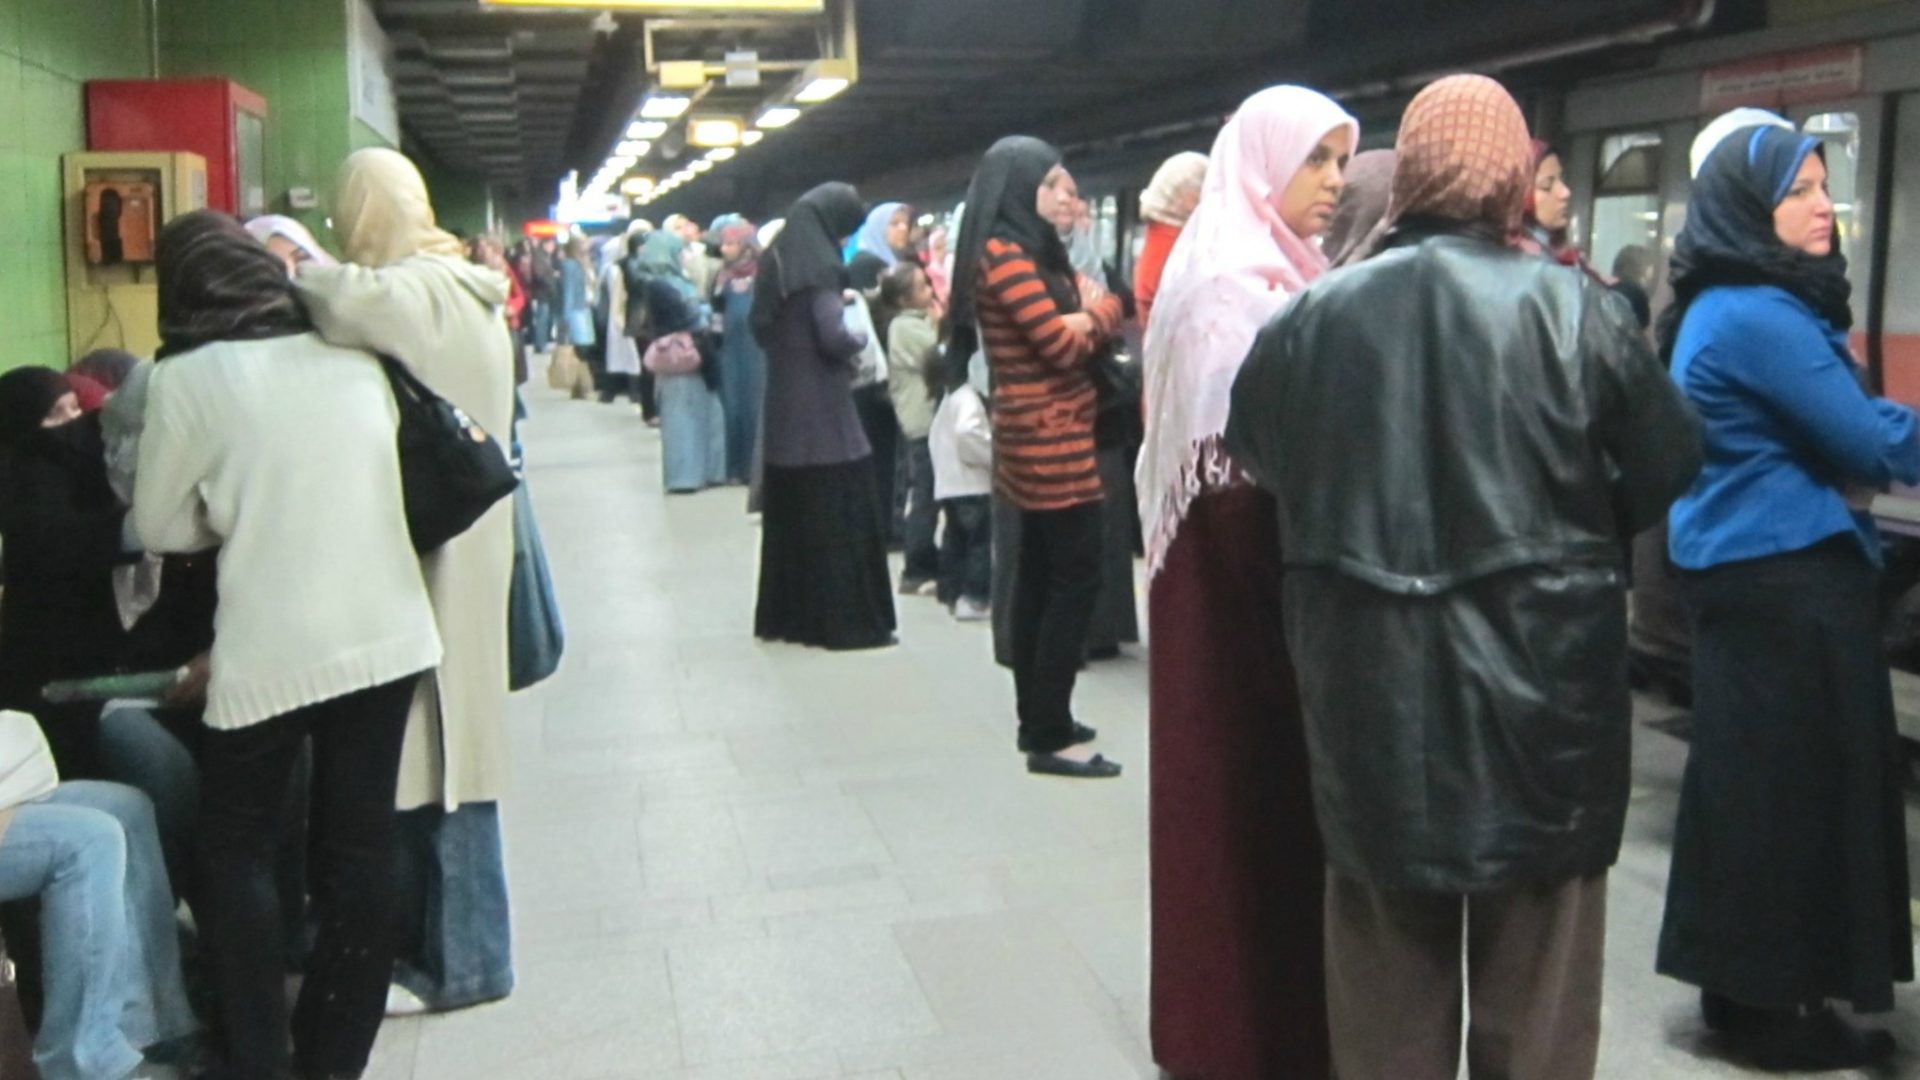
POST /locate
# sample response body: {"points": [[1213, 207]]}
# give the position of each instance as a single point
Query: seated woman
{"points": [[111, 956], [61, 527]]}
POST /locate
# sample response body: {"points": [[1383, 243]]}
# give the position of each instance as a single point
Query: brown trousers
{"points": [[1532, 964]]}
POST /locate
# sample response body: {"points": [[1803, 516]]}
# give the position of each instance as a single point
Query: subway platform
{"points": [[737, 861]]}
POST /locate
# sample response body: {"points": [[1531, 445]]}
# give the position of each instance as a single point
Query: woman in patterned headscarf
{"points": [[1459, 438]]}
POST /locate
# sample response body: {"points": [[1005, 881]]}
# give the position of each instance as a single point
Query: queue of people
{"points": [[1390, 448]]}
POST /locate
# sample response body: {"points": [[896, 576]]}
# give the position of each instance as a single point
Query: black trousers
{"points": [[1054, 594], [245, 774], [966, 550], [922, 514]]}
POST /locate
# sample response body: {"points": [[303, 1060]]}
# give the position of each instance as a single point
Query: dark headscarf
{"points": [[108, 367], [806, 254], [27, 394], [864, 271], [1730, 239], [1002, 205], [217, 283], [1363, 205]]}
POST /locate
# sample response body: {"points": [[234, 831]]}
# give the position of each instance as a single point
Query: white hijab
{"points": [[1182, 174]]}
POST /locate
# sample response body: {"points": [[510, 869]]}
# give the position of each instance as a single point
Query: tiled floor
{"points": [[734, 861]]}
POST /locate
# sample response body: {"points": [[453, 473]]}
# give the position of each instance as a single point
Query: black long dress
{"points": [[1789, 883]]}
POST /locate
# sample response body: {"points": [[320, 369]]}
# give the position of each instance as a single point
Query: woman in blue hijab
{"points": [[1789, 881], [886, 234], [693, 427]]}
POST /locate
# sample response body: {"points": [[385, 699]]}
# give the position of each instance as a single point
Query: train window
{"points": [[1626, 202], [1840, 131]]}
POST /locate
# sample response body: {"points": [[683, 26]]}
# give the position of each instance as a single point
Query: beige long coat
{"points": [[412, 297]]}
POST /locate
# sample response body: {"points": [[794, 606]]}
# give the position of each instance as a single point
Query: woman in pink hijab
{"points": [[1237, 881]]}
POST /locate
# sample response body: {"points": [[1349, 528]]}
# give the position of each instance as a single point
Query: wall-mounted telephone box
{"points": [[114, 206], [219, 119]]}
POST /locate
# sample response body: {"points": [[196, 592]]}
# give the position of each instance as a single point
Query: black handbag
{"points": [[451, 470]]}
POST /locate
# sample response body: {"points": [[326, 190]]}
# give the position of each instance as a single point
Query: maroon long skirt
{"points": [[1238, 985]]}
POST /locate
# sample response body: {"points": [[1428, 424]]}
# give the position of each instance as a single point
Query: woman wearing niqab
{"points": [[407, 291], [823, 563]]}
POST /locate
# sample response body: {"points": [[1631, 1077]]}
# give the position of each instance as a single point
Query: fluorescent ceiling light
{"points": [[703, 165], [646, 129], [639, 148], [638, 185], [823, 79], [724, 153], [749, 138], [820, 90], [665, 106], [714, 131], [778, 117], [804, 7]]}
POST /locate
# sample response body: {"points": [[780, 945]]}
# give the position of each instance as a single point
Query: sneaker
{"points": [[917, 586], [966, 610]]}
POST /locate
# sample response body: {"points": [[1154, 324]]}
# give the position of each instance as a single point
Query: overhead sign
{"points": [[743, 70], [1798, 78]]}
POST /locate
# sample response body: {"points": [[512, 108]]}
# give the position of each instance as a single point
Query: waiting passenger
{"points": [[110, 948], [913, 347], [408, 292], [62, 530], [681, 356], [743, 364], [573, 320], [1165, 207], [1460, 436], [960, 445], [1550, 210], [885, 234], [1014, 280], [281, 450], [290, 241], [1351, 234], [865, 317], [1238, 990], [1789, 881], [823, 560]]}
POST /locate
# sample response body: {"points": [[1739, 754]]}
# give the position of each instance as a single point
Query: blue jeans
{"points": [[111, 949], [456, 936]]}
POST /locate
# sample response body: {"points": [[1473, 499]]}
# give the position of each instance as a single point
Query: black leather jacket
{"points": [[1461, 437]]}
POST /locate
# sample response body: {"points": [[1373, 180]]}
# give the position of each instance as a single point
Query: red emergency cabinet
{"points": [[220, 120]]}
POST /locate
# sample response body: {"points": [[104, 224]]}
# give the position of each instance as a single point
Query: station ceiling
{"points": [[522, 95]]}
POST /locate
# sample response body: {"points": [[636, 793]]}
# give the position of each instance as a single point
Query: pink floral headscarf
{"points": [[1234, 266]]}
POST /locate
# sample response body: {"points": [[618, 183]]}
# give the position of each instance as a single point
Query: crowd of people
{"points": [[1393, 454], [270, 729]]}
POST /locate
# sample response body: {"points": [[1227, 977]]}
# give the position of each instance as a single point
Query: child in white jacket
{"points": [[961, 445]]}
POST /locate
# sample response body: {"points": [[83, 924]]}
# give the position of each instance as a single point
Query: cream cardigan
{"points": [[282, 453]]}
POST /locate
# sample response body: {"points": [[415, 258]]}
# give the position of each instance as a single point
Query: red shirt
{"points": [[1152, 264]]}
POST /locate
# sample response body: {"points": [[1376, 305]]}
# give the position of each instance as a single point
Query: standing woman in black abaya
{"points": [[823, 561]]}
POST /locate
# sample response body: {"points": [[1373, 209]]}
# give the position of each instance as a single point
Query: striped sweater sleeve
{"points": [[1013, 282]]}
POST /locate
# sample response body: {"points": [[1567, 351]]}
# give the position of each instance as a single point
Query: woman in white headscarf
{"points": [[1238, 984], [1165, 207], [409, 292]]}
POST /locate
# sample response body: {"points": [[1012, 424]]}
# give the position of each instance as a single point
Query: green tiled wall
{"points": [[48, 48], [296, 60]]}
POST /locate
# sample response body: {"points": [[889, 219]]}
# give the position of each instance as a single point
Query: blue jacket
{"points": [[1787, 428]]}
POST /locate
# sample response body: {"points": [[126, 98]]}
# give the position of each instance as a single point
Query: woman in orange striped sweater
{"points": [[1015, 290]]}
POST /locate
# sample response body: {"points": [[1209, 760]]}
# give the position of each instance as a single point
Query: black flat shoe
{"points": [[1811, 1042], [1082, 734], [1055, 765]]}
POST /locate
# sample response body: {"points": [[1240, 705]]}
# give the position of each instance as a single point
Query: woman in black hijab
{"points": [[823, 561], [1048, 520], [1789, 881], [60, 528]]}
